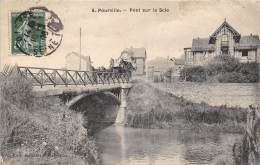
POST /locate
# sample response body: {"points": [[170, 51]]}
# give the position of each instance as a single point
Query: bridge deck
{"points": [[58, 90]]}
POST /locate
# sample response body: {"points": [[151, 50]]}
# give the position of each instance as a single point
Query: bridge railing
{"points": [[46, 76]]}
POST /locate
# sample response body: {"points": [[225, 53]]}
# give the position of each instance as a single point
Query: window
{"points": [[224, 41], [244, 53], [224, 38]]}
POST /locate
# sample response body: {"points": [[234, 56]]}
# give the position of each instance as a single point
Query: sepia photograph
{"points": [[129, 82]]}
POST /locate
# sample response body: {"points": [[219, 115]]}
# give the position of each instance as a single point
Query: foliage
{"points": [[224, 69], [15, 89], [168, 73], [197, 74], [41, 128]]}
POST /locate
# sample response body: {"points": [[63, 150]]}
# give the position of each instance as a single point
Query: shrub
{"points": [[225, 68], [36, 128], [16, 89], [195, 74]]}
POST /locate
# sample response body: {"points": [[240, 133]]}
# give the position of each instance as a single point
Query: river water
{"points": [[131, 146]]}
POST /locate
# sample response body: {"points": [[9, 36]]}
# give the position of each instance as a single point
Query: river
{"points": [[131, 146]]}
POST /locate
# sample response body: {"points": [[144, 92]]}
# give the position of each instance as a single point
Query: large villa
{"points": [[224, 41]]}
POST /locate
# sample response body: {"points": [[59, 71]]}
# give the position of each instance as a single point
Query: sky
{"points": [[105, 35]]}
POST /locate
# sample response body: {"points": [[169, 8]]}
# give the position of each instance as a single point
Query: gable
{"points": [[225, 26]]}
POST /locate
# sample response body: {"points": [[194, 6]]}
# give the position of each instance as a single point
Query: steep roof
{"points": [[245, 42], [202, 44], [241, 42], [228, 26], [248, 42], [139, 52]]}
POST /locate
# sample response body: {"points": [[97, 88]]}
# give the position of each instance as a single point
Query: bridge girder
{"points": [[114, 94]]}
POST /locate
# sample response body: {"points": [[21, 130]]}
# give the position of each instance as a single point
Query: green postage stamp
{"points": [[36, 32], [26, 35]]}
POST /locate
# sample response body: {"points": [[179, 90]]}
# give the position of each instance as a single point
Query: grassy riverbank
{"points": [[40, 130], [152, 108]]}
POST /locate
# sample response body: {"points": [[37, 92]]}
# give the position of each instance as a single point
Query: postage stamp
{"points": [[35, 32]]}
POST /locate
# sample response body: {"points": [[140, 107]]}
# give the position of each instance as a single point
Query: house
{"points": [[75, 61], [225, 41], [139, 56], [157, 67]]}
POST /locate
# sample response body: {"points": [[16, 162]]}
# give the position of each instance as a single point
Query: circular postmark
{"points": [[38, 32]]}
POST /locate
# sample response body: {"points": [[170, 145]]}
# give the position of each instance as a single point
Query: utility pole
{"points": [[80, 48]]}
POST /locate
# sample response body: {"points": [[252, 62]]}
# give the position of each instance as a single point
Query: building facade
{"points": [[157, 68], [139, 56], [225, 41], [75, 61]]}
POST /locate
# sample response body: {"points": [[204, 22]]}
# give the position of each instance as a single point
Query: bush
{"points": [[41, 128], [16, 89], [194, 74], [226, 69]]}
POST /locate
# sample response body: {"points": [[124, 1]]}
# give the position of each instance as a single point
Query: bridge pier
{"points": [[121, 115]]}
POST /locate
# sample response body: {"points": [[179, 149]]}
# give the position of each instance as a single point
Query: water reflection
{"points": [[129, 146]]}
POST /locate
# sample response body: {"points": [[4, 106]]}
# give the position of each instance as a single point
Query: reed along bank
{"points": [[152, 108]]}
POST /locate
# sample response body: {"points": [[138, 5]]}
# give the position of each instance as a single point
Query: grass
{"points": [[40, 130], [149, 107], [152, 108]]}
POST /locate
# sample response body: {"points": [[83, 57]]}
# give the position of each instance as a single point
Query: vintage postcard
{"points": [[129, 82]]}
